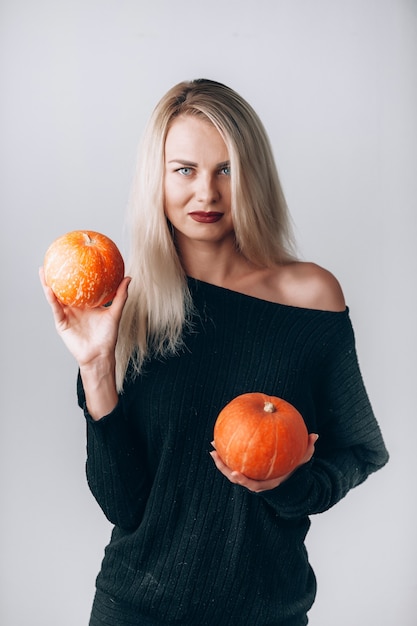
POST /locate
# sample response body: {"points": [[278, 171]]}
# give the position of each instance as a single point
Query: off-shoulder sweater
{"points": [[188, 547]]}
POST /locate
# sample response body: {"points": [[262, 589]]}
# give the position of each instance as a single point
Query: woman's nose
{"points": [[207, 189]]}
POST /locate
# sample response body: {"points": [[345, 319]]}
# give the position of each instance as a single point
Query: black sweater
{"points": [[188, 547]]}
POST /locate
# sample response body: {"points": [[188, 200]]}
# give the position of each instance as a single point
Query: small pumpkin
{"points": [[260, 436], [83, 268]]}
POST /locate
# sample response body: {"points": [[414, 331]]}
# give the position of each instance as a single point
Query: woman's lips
{"points": [[206, 217]]}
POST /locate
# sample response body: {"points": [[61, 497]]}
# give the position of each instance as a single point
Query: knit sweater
{"points": [[188, 547]]}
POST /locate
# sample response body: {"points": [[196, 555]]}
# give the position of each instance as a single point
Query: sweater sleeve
{"points": [[116, 466], [350, 445]]}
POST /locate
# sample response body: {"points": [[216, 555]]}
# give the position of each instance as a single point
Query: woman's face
{"points": [[197, 181]]}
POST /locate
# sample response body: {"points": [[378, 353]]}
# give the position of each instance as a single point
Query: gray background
{"points": [[335, 84]]}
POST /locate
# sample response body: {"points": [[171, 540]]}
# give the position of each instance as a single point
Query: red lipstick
{"points": [[206, 217]]}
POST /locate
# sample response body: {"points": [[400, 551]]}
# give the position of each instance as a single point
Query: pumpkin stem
{"points": [[269, 407]]}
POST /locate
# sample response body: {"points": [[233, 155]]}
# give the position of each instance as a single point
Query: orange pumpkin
{"points": [[83, 268], [260, 436]]}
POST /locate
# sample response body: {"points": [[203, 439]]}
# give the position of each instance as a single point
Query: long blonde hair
{"points": [[159, 302]]}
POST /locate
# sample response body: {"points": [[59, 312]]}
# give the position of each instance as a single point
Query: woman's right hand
{"points": [[89, 334]]}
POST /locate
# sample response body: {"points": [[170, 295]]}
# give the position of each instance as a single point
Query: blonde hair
{"points": [[159, 302]]}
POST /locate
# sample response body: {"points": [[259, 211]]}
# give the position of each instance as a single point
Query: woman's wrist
{"points": [[99, 382]]}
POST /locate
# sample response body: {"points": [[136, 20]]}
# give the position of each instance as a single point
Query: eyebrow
{"points": [[192, 164]]}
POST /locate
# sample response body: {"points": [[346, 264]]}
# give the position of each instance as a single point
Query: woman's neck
{"points": [[211, 263]]}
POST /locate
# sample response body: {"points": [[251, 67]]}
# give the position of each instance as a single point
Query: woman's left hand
{"points": [[261, 485]]}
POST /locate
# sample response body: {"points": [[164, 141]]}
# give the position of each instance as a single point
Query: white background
{"points": [[335, 83]]}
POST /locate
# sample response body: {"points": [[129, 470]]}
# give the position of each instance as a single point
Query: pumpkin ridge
{"points": [[275, 452], [229, 449], [248, 450]]}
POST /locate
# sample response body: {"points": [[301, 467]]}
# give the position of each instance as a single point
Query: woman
{"points": [[218, 305]]}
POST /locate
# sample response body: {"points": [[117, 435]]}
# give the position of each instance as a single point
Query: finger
{"points": [[312, 438], [42, 276], [222, 467], [49, 294], [236, 477], [47, 290], [120, 297], [122, 289], [217, 461], [57, 308]]}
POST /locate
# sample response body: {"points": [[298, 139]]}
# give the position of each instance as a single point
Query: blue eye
{"points": [[185, 171], [225, 170]]}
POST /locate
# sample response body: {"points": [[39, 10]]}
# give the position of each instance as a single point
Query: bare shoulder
{"points": [[310, 286]]}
